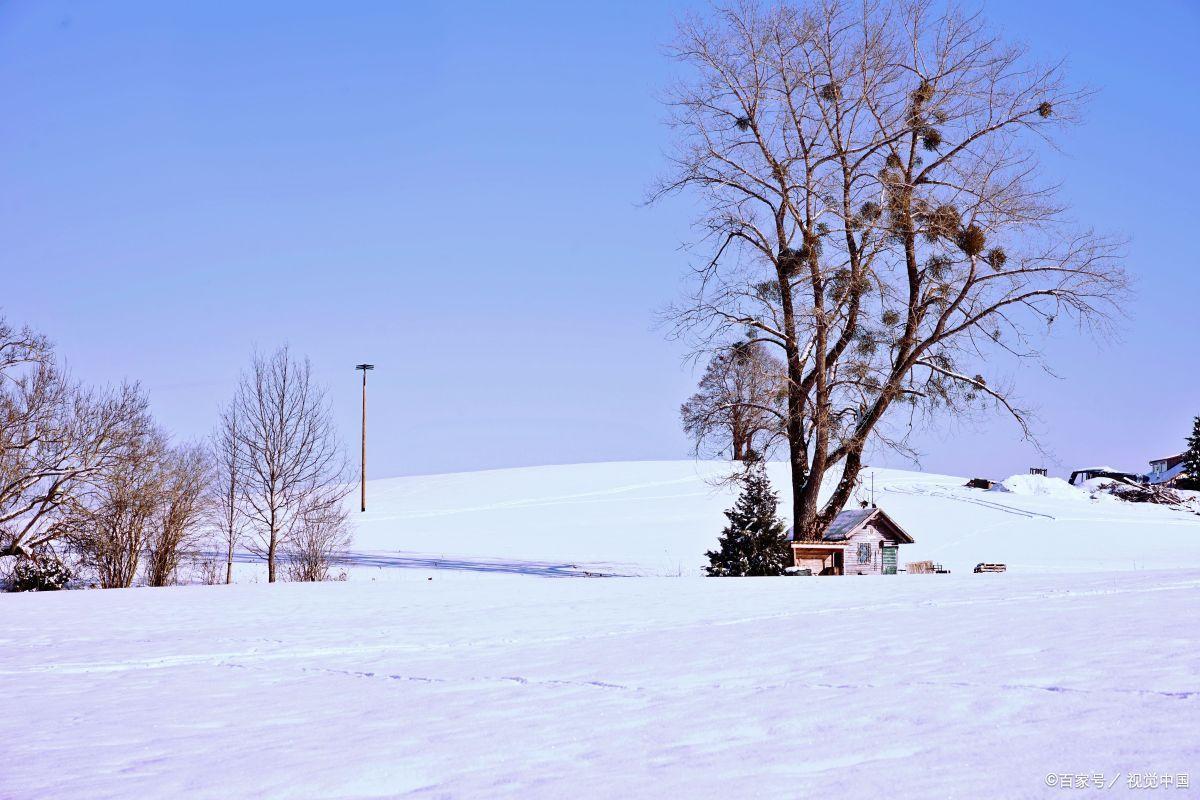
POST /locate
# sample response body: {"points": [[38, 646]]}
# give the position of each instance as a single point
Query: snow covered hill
{"points": [[658, 517]]}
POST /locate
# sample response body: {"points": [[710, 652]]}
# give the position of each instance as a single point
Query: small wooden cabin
{"points": [[861, 541]]}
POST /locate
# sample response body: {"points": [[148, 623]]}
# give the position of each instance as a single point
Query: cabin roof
{"points": [[846, 523], [852, 520]]}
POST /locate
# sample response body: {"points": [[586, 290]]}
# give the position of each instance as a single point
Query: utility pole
{"points": [[364, 368]]}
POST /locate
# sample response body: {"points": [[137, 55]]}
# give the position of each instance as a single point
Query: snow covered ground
{"points": [[917, 686], [449, 665]]}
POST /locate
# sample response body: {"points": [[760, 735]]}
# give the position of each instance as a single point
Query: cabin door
{"points": [[889, 559]]}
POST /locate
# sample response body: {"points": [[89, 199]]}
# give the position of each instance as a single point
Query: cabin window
{"points": [[864, 553]]}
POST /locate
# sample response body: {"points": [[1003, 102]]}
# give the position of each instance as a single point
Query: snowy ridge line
{"points": [[973, 500]]}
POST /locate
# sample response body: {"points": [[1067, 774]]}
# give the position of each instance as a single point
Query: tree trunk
{"points": [[231, 520], [798, 462], [842, 492], [797, 450]]}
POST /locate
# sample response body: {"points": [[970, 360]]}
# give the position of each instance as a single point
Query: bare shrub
{"points": [[208, 570], [311, 549], [176, 530], [110, 530]]}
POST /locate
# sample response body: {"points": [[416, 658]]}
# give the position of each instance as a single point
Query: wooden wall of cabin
{"points": [[867, 537], [871, 535]]}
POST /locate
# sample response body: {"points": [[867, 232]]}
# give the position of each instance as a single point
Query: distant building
{"points": [[1165, 471], [1081, 476], [861, 541]]}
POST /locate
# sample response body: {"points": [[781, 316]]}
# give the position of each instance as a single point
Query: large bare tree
{"points": [[57, 440], [737, 407], [291, 467], [874, 211]]}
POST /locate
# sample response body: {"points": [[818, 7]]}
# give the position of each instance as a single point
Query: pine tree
{"points": [[1191, 459], [755, 540]]}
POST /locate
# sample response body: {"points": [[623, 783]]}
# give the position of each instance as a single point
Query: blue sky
{"points": [[453, 193]]}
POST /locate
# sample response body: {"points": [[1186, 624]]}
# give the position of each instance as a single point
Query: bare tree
{"points": [[290, 465], [226, 487], [185, 474], [311, 550], [738, 407], [110, 530], [874, 211], [56, 441]]}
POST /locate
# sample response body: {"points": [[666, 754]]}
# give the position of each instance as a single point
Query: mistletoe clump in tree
{"points": [[755, 541]]}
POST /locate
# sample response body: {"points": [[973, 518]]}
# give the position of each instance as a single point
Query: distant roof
{"points": [[1170, 474], [1167, 458], [847, 523]]}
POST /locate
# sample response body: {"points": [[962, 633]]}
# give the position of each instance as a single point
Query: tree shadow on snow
{"points": [[422, 561], [403, 560]]}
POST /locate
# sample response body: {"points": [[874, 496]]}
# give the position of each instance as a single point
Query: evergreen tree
{"points": [[1191, 459], [755, 540]]}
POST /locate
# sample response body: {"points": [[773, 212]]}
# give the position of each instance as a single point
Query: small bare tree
{"points": [[56, 441], [227, 515], [873, 206], [176, 530], [290, 465], [738, 408]]}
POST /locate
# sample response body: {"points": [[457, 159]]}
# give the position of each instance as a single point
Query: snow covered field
{"points": [[919, 686], [450, 666]]}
